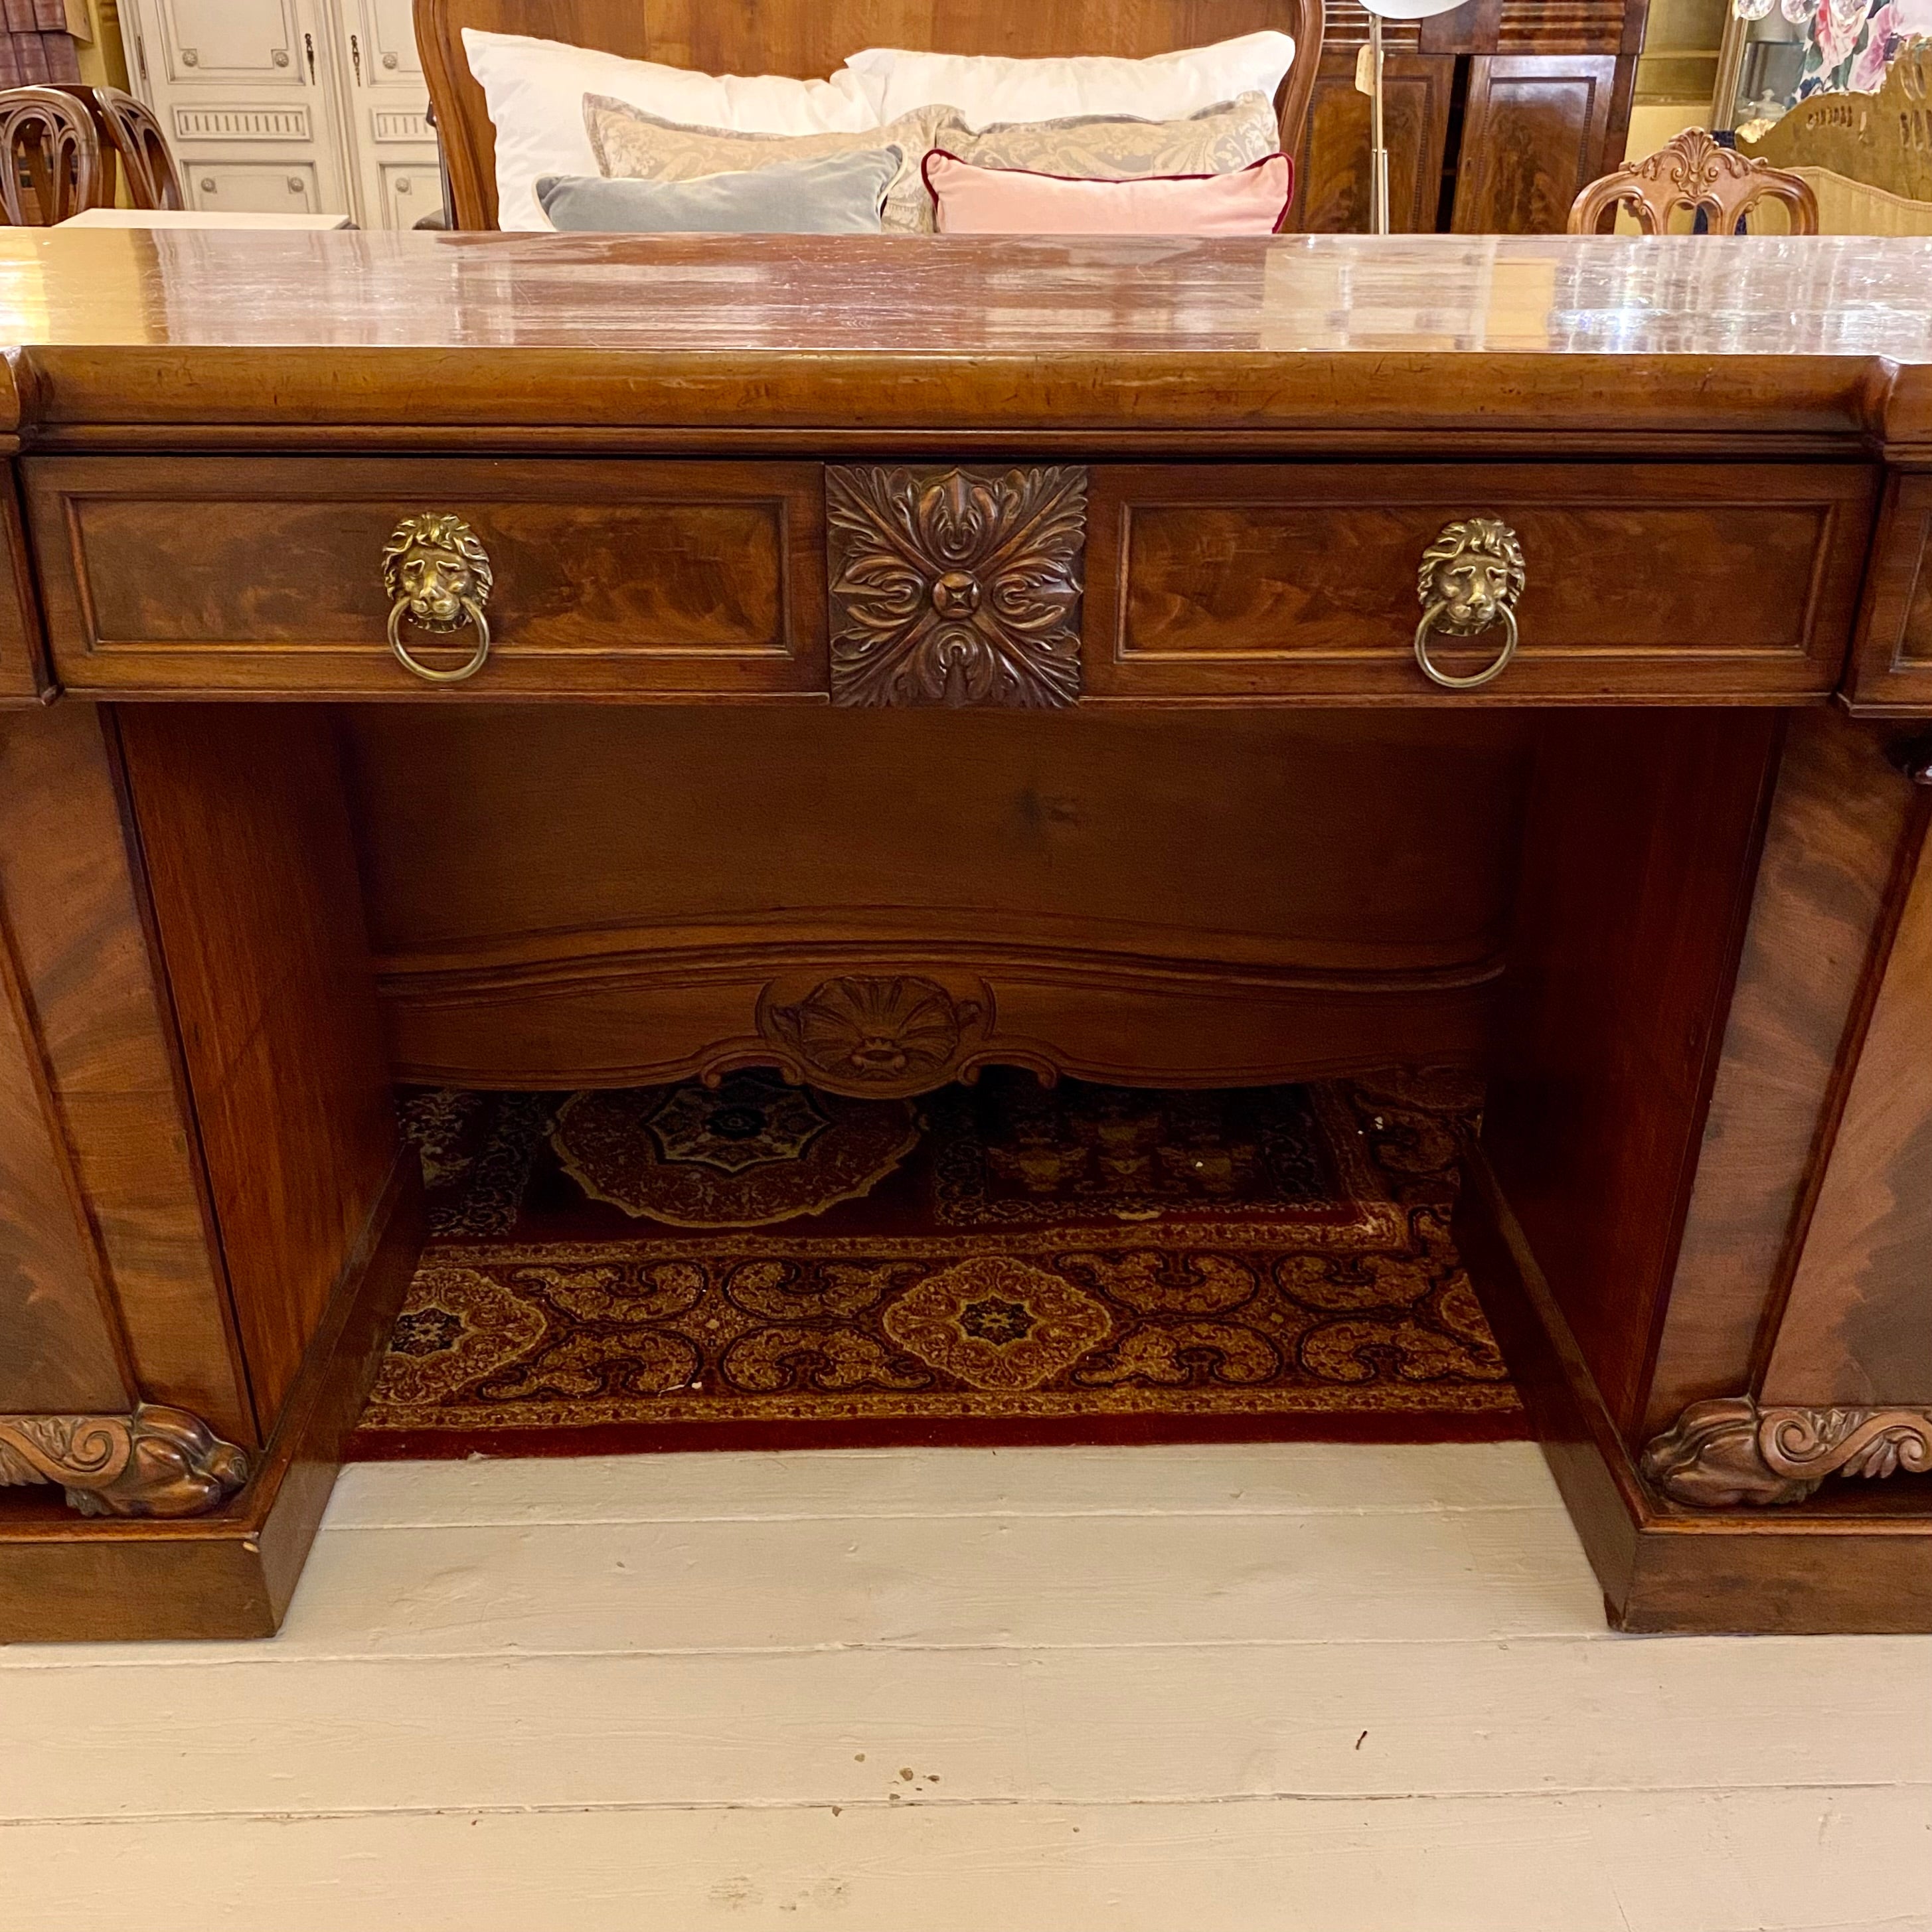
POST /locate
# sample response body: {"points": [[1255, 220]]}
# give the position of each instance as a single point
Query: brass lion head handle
{"points": [[438, 576], [1471, 576]]}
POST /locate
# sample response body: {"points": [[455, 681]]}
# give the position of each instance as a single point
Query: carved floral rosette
{"points": [[955, 587]]}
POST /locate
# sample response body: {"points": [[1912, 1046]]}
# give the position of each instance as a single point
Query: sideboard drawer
{"points": [[165, 575], [1670, 582]]}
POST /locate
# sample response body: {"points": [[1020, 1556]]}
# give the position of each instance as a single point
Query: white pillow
{"points": [[990, 87], [535, 89]]}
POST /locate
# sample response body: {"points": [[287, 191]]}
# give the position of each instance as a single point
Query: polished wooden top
{"points": [[1829, 336]]}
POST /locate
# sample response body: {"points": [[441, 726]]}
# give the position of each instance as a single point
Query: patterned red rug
{"points": [[760, 1265]]}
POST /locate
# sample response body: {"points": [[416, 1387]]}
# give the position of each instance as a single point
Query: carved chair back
{"points": [[52, 157], [1693, 173], [131, 137], [808, 38]]}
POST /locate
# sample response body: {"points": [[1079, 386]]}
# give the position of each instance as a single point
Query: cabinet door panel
{"points": [[255, 187], [408, 192], [257, 41], [1536, 132], [391, 43], [1332, 169]]}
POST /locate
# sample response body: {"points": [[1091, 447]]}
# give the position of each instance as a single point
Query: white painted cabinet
{"points": [[290, 106]]}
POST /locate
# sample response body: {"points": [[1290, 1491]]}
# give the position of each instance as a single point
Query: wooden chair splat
{"points": [[132, 137], [52, 157]]}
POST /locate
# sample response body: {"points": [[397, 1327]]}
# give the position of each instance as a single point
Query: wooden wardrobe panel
{"points": [[259, 909], [24, 678], [1892, 668], [83, 955], [1858, 1326], [1331, 170], [1536, 131], [1830, 855], [1643, 833], [59, 1341]]}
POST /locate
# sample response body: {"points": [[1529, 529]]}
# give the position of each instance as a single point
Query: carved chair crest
{"points": [[1693, 173]]}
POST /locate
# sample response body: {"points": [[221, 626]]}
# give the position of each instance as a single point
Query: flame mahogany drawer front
{"points": [[1720, 583], [267, 575], [1716, 584]]}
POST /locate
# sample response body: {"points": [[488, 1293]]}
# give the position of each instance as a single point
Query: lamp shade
{"points": [[1408, 9]]}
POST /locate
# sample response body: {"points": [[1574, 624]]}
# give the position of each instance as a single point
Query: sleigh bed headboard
{"points": [[811, 37]]}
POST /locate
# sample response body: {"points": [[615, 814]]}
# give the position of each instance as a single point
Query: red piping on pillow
{"points": [[1041, 174]]}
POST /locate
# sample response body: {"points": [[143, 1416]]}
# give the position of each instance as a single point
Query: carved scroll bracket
{"points": [[955, 587], [1722, 1453], [156, 1461]]}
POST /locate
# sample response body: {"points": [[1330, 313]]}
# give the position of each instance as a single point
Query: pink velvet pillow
{"points": [[970, 200]]}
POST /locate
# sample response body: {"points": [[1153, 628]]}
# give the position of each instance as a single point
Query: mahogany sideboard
{"points": [[551, 661]]}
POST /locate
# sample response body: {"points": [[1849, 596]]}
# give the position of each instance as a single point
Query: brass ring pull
{"points": [[1471, 576], [1432, 617], [438, 576], [478, 658]]}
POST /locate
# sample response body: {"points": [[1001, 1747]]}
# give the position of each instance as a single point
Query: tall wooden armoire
{"points": [[1498, 112]]}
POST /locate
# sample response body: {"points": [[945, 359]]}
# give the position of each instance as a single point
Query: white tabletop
{"points": [[198, 217]]}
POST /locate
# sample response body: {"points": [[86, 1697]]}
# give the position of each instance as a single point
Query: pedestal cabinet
{"points": [[290, 106]]}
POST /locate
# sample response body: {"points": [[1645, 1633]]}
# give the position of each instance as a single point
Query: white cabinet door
{"points": [[409, 192], [258, 41], [245, 90], [391, 140], [254, 187]]}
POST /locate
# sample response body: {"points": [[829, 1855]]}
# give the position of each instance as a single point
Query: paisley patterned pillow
{"points": [[1218, 140], [632, 145]]}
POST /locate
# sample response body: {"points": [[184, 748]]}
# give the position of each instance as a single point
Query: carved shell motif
{"points": [[901, 1032], [956, 586]]}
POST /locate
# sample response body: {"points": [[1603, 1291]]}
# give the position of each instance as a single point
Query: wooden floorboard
{"points": [[1341, 1688]]}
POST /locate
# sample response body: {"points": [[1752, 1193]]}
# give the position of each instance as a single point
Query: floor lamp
{"points": [[1368, 79]]}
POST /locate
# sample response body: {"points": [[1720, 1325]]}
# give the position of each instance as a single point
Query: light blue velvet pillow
{"points": [[839, 194]]}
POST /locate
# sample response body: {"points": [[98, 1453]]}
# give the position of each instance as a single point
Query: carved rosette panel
{"points": [[156, 1461], [1722, 1453], [956, 587]]}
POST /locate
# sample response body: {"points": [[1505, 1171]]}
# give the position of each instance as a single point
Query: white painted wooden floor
{"points": [[1205, 1689]]}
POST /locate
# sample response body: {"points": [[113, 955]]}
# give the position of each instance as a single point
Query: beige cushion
{"points": [[1220, 140], [632, 145], [1847, 207]]}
